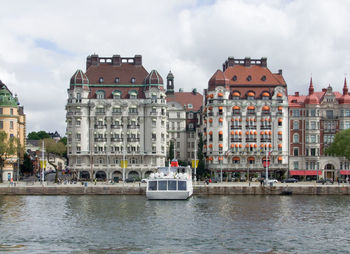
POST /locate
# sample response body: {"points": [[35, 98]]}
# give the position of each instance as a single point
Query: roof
{"points": [[6, 97], [153, 78], [316, 97], [185, 98], [252, 75], [79, 78], [125, 72]]}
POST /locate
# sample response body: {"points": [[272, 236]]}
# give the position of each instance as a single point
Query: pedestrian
{"points": [[11, 181], [95, 181]]}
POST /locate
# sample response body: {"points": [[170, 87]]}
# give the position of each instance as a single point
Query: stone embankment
{"points": [[201, 189]]}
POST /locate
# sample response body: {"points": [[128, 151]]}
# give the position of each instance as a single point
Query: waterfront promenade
{"points": [[225, 188]]}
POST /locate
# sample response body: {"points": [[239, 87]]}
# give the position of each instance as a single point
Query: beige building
{"points": [[12, 121]]}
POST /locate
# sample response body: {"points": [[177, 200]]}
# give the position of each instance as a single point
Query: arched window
{"points": [[133, 94], [116, 94], [100, 94]]}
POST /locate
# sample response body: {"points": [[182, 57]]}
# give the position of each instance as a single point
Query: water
{"points": [[203, 224]]}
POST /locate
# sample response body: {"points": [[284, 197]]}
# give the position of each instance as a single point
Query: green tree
{"points": [[201, 171], [340, 145], [38, 135], [54, 149], [27, 166], [8, 148]]}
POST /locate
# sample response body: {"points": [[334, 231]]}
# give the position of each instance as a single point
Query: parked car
{"points": [[326, 180], [214, 180], [130, 180], [290, 180], [144, 180]]}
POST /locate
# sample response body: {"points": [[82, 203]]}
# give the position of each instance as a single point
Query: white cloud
{"points": [[44, 42]]}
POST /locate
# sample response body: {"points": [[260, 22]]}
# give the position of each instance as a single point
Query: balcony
{"points": [[116, 112], [236, 127], [262, 140], [100, 113], [100, 139], [116, 140], [250, 140], [98, 126], [133, 126], [116, 126], [133, 112], [133, 139], [236, 140], [265, 127], [250, 127]]}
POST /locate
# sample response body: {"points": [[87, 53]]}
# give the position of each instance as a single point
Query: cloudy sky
{"points": [[42, 43]]}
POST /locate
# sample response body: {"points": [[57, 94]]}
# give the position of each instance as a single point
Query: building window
{"points": [[296, 138], [190, 106], [329, 114], [11, 125], [295, 151], [11, 111], [296, 125], [77, 122], [1, 124], [1, 111], [296, 165], [296, 112], [116, 80], [100, 94]]}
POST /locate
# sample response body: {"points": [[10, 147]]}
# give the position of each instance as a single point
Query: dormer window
{"points": [[116, 94], [190, 106], [263, 78], [116, 80], [133, 80], [100, 94], [234, 78], [100, 80], [133, 94], [249, 78]]}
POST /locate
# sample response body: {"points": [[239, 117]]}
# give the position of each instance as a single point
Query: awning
{"points": [[236, 158], [279, 95], [232, 145], [236, 108], [232, 132], [220, 108], [236, 94], [304, 172], [221, 145], [345, 172], [265, 108], [221, 132], [220, 94], [280, 108], [265, 94], [280, 133], [251, 107], [251, 94], [221, 120]]}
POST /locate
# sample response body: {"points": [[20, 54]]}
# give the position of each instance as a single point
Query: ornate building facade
{"points": [[245, 119], [184, 120], [13, 122], [116, 110], [314, 121]]}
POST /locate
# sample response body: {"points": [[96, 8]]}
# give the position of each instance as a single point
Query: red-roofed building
{"points": [[314, 120], [184, 120], [245, 118], [116, 111]]}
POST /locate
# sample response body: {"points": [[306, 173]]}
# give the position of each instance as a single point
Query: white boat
{"points": [[170, 183]]}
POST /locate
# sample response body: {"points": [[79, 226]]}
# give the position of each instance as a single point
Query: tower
{"points": [[170, 84]]}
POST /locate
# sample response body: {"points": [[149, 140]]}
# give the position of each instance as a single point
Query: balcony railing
{"points": [[265, 127], [133, 126], [250, 127], [116, 126], [236, 127], [116, 139], [100, 139], [133, 139], [97, 126], [116, 112]]}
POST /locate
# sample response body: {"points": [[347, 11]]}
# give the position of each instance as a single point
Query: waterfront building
{"points": [[245, 119], [13, 122], [184, 120], [116, 109], [314, 121]]}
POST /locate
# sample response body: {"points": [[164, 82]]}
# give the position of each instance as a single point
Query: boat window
{"points": [[162, 185], [182, 185], [172, 185], [152, 185]]}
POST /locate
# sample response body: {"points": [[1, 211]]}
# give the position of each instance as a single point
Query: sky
{"points": [[42, 43]]}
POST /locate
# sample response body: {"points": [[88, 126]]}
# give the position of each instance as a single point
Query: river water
{"points": [[202, 224]]}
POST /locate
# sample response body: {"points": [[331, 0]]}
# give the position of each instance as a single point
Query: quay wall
{"points": [[198, 190]]}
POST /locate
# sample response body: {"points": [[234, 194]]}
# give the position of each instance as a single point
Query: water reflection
{"points": [[203, 224]]}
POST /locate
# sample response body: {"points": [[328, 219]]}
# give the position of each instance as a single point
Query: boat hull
{"points": [[169, 195]]}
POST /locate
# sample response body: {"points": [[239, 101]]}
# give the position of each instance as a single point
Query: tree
{"points": [[201, 171], [38, 135], [8, 148], [27, 166], [54, 149], [340, 145]]}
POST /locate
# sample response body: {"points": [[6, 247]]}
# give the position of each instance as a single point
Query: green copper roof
{"points": [[6, 98]]}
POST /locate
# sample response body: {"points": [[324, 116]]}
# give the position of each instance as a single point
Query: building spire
{"points": [[311, 87], [345, 89]]}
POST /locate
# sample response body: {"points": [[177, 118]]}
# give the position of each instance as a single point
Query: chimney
{"points": [[280, 71], [247, 62], [116, 60], [297, 94], [231, 61], [263, 62], [92, 60], [138, 60]]}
